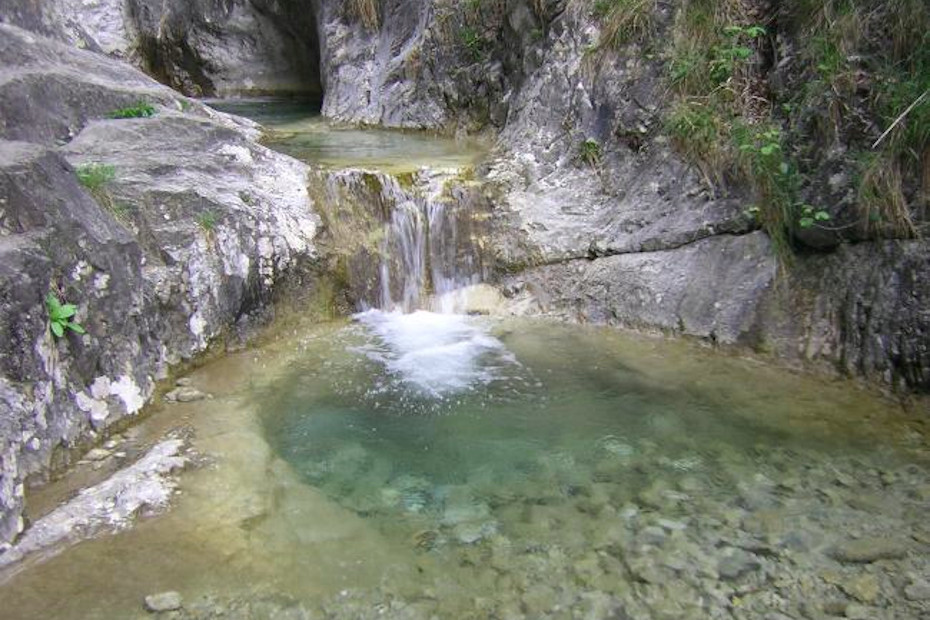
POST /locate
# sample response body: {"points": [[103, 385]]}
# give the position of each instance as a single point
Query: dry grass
{"points": [[366, 11], [884, 206], [625, 20]]}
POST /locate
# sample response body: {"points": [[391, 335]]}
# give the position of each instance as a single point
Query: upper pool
{"points": [[296, 128]]}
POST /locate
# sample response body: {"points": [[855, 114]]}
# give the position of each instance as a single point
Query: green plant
{"points": [[808, 215], [60, 316], [207, 221], [140, 110], [590, 152], [473, 42], [727, 57], [94, 176]]}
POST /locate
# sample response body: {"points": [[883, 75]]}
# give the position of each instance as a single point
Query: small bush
{"points": [[95, 176], [590, 152], [207, 221], [474, 43]]}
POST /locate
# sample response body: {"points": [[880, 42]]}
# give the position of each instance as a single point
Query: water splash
{"points": [[435, 354], [425, 263]]}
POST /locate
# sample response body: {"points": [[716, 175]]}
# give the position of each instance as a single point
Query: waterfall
{"points": [[428, 259], [423, 259]]}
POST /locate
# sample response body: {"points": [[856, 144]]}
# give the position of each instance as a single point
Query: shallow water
{"points": [[297, 129], [419, 465]]}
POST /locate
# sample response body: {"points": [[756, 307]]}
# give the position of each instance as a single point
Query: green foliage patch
{"points": [[95, 176], [207, 221], [140, 110], [590, 152]]}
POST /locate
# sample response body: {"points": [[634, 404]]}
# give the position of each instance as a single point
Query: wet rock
{"points": [[185, 395], [539, 600], [470, 533], [736, 564], [864, 588], [860, 612], [653, 535], [97, 454], [834, 608], [866, 550], [656, 495], [146, 484], [918, 591], [163, 601]]}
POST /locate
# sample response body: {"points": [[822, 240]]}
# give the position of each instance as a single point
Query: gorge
{"points": [[471, 182]]}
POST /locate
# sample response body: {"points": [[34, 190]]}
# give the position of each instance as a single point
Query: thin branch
{"points": [[900, 118]]}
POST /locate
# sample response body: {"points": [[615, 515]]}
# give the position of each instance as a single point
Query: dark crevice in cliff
{"points": [[246, 47]]}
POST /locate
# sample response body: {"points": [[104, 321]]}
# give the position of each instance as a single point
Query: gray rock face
{"points": [[193, 228], [437, 64], [677, 290], [636, 239], [219, 49], [200, 48]]}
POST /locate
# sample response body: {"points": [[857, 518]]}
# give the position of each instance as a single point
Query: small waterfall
{"points": [[428, 257], [423, 258]]}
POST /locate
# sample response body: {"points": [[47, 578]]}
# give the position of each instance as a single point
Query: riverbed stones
{"points": [[871, 549], [163, 601]]}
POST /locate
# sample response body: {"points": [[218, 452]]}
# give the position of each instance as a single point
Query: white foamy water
{"points": [[436, 354]]}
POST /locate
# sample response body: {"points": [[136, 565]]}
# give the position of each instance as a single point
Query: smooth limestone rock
{"points": [[194, 229], [111, 505]]}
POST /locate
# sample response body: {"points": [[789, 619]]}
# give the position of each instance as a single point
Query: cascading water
{"points": [[422, 249], [425, 266]]}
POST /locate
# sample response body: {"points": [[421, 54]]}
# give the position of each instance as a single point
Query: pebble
{"points": [[736, 564], [185, 395], [97, 454], [867, 550], [863, 588], [184, 382], [163, 601], [918, 591]]}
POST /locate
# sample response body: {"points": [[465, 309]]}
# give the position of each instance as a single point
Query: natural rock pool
{"points": [[423, 465], [295, 127]]}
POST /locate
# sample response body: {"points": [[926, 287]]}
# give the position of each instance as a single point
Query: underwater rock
{"points": [[867, 550], [163, 601]]}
